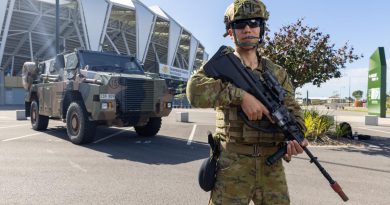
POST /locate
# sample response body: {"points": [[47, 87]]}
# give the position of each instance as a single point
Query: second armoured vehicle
{"points": [[87, 88]]}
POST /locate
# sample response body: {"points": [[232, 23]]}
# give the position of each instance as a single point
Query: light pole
{"points": [[307, 98], [341, 98], [349, 91], [57, 27]]}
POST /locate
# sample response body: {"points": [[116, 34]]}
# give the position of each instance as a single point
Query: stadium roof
{"points": [[27, 33]]}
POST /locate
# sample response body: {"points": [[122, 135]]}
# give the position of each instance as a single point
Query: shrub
{"points": [[317, 125]]}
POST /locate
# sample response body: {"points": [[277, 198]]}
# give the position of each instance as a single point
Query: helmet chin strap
{"points": [[246, 44]]}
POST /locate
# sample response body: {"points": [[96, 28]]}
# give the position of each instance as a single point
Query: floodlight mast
{"points": [[57, 27]]}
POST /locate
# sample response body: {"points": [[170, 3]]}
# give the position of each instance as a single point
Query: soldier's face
{"points": [[246, 31]]}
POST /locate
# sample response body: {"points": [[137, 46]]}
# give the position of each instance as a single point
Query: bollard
{"points": [[182, 116], [371, 120], [21, 115]]}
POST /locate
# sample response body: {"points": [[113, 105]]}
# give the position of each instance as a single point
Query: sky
{"points": [[363, 24]]}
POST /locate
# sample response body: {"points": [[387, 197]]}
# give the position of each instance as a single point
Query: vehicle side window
{"points": [[132, 66], [49, 66], [71, 61]]}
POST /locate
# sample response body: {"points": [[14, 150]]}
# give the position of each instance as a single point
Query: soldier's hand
{"points": [[253, 108], [293, 147]]}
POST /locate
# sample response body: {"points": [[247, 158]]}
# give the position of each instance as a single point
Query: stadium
{"points": [[28, 33]]}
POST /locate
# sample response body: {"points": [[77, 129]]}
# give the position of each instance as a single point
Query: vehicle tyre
{"points": [[150, 129], [38, 122], [79, 128]]}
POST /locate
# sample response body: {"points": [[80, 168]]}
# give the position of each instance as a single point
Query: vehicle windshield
{"points": [[102, 62]]}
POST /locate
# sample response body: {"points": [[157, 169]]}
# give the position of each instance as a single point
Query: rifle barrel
{"points": [[335, 186]]}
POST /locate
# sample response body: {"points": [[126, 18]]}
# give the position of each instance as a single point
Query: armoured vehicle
{"points": [[86, 89]]}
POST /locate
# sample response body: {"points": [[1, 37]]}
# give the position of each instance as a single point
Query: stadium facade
{"points": [[122, 26]]}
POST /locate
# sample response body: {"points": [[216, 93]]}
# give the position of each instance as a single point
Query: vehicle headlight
{"points": [[107, 105]]}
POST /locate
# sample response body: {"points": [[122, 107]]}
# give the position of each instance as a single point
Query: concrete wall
{"points": [[14, 96], [11, 91], [13, 82]]}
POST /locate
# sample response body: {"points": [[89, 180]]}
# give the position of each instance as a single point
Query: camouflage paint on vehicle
{"points": [[113, 88]]}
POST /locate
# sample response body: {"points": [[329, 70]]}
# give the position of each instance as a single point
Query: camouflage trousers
{"points": [[241, 179]]}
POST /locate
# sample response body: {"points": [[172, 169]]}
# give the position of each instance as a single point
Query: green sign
{"points": [[376, 93]]}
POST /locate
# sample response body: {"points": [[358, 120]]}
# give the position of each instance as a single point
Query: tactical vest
{"points": [[231, 128]]}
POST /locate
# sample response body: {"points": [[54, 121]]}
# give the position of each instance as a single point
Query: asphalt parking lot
{"points": [[123, 168]]}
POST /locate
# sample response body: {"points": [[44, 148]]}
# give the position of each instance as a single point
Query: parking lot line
{"points": [[16, 138], [109, 136], [77, 166], [12, 126], [191, 135], [24, 136]]}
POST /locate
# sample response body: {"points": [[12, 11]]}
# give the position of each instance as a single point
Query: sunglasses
{"points": [[252, 23]]}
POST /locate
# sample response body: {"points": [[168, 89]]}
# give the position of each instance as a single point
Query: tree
{"points": [[181, 93], [307, 54], [358, 94]]}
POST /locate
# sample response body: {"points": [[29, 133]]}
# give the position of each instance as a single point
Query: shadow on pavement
{"points": [[150, 150], [345, 165], [381, 147]]}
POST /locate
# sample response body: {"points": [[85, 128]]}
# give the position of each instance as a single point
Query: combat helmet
{"points": [[246, 9]]}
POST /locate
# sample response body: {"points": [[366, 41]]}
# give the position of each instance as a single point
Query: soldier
{"points": [[242, 174]]}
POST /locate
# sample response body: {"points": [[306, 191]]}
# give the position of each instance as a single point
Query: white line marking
{"points": [[12, 126], [117, 133], [363, 128], [191, 135], [16, 138], [75, 165], [50, 151], [24, 136]]}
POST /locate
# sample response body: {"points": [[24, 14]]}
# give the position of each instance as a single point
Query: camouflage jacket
{"points": [[206, 92]]}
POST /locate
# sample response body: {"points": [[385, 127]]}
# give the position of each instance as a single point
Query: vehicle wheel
{"points": [[38, 122], [80, 130], [150, 129]]}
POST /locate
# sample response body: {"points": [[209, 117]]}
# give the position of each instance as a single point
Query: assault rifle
{"points": [[228, 67]]}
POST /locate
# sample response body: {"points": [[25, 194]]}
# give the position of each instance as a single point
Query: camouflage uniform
{"points": [[242, 177], [242, 174]]}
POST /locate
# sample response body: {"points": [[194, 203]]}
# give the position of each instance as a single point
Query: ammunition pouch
{"points": [[208, 170]]}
